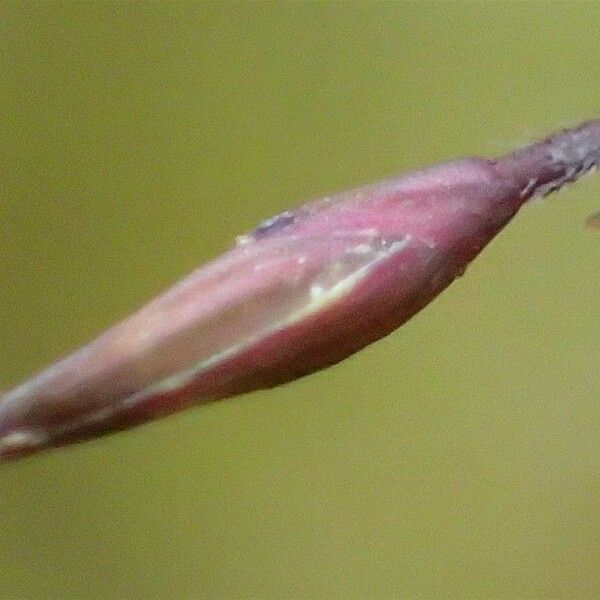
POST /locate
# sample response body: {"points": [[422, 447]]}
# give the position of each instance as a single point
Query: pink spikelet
{"points": [[301, 292]]}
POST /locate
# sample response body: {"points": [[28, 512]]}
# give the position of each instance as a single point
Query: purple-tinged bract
{"points": [[302, 291]]}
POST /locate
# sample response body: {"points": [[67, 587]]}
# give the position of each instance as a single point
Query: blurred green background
{"points": [[460, 457]]}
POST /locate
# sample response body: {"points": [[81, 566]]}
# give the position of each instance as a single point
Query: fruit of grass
{"points": [[301, 292]]}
